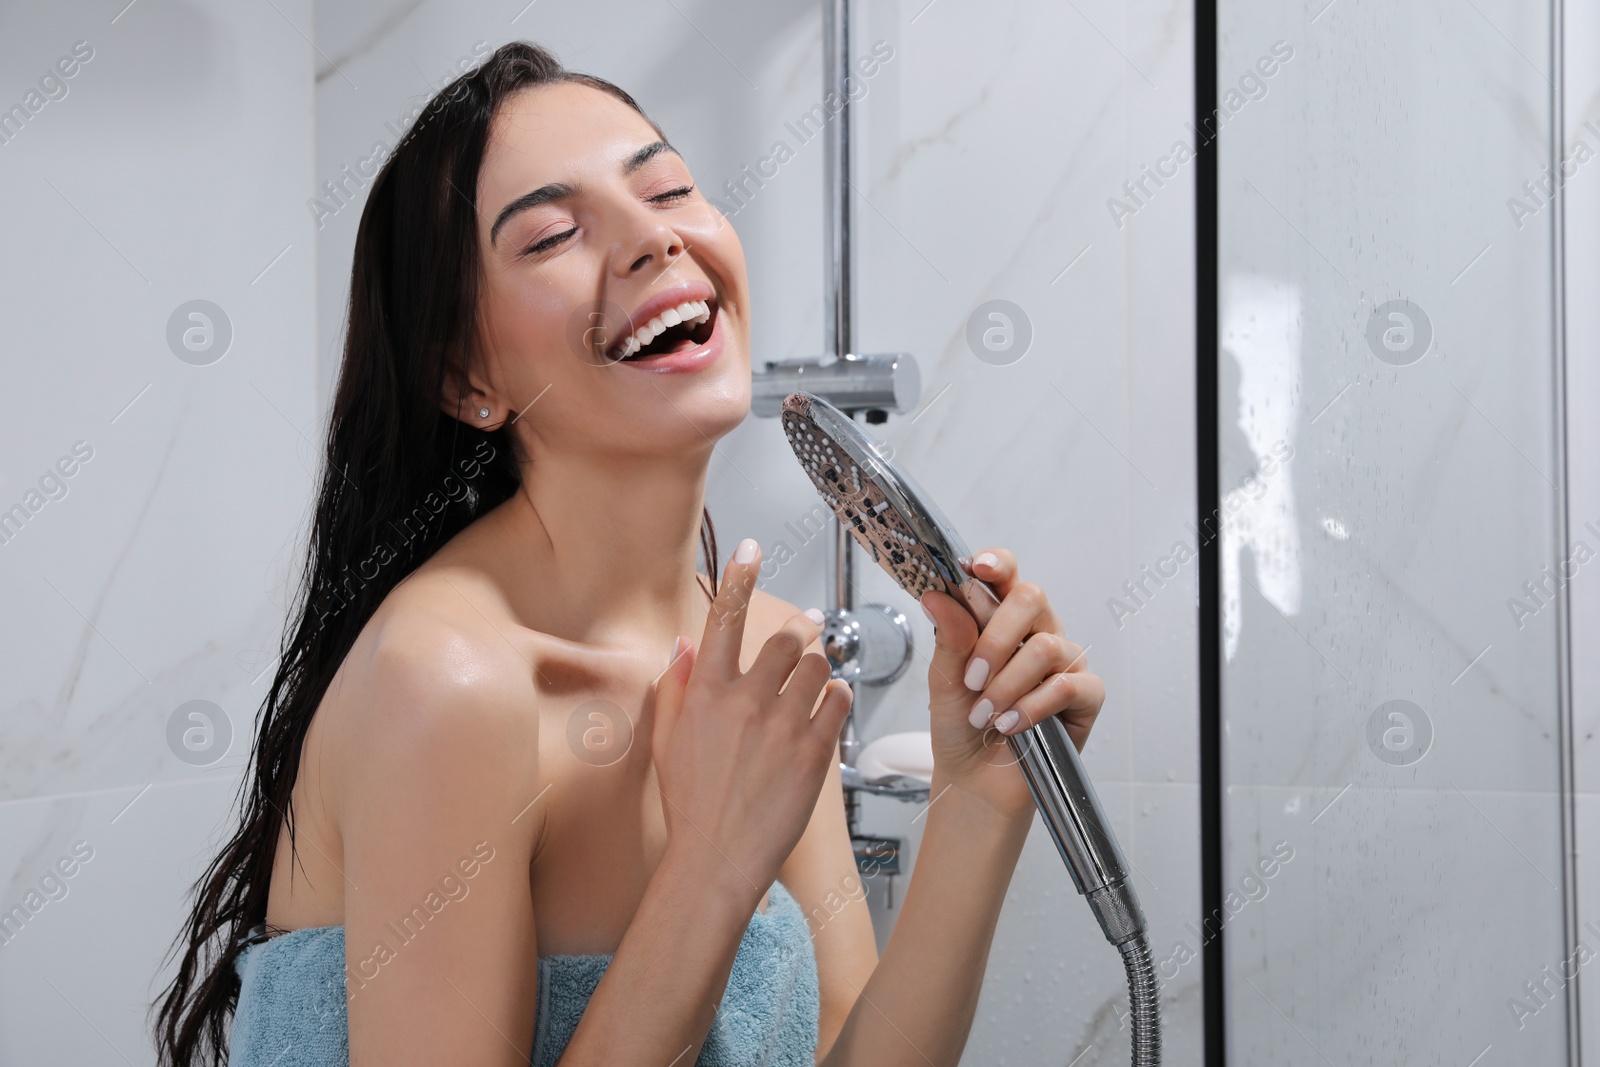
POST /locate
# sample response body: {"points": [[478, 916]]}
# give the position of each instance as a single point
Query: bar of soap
{"points": [[910, 754]]}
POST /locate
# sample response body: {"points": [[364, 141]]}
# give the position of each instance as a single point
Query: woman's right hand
{"points": [[740, 758]]}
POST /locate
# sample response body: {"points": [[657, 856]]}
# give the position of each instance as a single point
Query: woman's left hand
{"points": [[1019, 671]]}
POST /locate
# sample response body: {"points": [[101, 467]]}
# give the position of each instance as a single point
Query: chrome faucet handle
{"points": [[885, 381], [870, 645]]}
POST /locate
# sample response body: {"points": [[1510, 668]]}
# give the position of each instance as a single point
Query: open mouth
{"points": [[688, 325]]}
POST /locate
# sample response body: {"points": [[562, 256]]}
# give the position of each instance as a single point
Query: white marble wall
{"points": [[172, 169]]}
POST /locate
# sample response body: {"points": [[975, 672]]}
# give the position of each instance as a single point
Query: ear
{"points": [[464, 394]]}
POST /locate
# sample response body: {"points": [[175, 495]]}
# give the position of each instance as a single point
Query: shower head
{"points": [[887, 513], [900, 527]]}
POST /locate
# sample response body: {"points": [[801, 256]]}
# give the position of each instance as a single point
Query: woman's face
{"points": [[578, 197]]}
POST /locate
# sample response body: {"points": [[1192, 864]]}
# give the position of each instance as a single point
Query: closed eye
{"points": [[548, 242], [556, 238]]}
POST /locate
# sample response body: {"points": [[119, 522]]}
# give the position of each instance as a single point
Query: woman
{"points": [[488, 759]]}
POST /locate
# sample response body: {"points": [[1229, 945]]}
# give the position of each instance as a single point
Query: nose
{"points": [[647, 242]]}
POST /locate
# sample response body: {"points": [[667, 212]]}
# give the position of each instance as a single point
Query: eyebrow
{"points": [[562, 190]]}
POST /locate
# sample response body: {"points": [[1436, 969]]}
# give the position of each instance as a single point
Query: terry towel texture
{"points": [[291, 1009]]}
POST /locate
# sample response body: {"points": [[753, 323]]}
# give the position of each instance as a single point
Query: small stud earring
{"points": [[483, 413]]}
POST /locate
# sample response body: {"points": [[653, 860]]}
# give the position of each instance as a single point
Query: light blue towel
{"points": [[291, 1010]]}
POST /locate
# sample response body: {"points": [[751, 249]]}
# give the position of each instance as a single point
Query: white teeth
{"points": [[694, 312]]}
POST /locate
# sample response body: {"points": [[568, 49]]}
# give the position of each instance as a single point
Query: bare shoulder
{"points": [[437, 636], [436, 692]]}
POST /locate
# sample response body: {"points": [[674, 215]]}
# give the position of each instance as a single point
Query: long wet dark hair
{"points": [[399, 479]]}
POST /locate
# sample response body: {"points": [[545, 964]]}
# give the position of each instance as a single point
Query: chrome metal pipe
{"points": [[838, 324], [836, 305]]}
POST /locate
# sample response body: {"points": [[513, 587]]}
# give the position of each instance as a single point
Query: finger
{"points": [[1075, 696], [810, 675], [1040, 656], [955, 632], [998, 568], [670, 685], [1024, 611], [828, 721], [780, 652], [724, 632]]}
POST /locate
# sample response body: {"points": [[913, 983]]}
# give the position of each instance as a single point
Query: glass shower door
{"points": [[1392, 740]]}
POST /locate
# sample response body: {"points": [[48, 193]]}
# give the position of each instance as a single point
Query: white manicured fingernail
{"points": [[746, 550], [977, 674], [815, 616], [1005, 722], [988, 559], [980, 713]]}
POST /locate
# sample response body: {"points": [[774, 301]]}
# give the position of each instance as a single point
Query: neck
{"points": [[611, 546]]}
